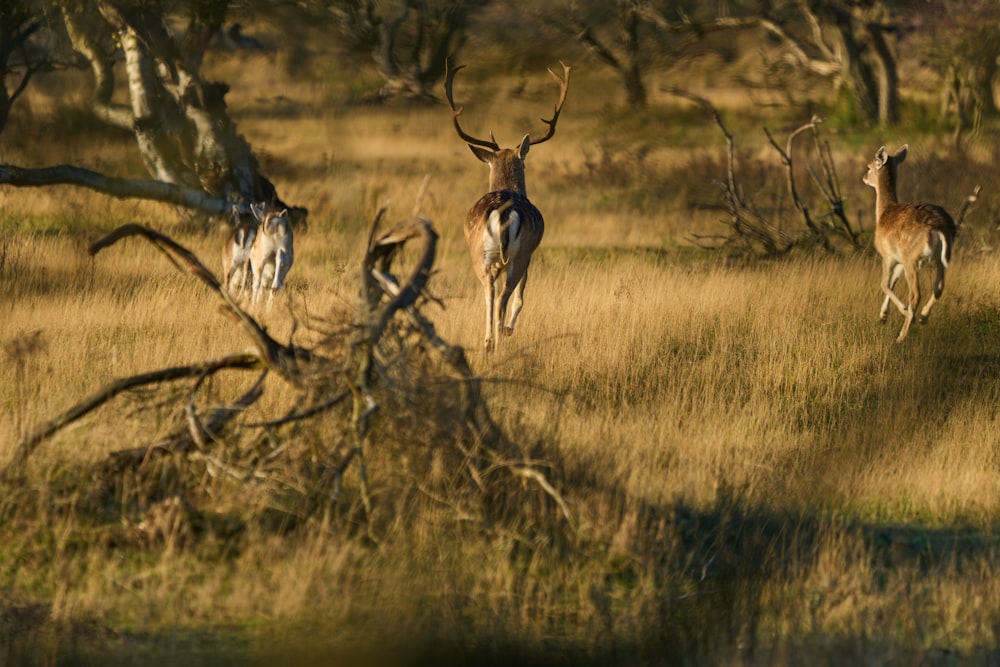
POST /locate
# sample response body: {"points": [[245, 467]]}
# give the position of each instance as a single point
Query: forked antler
{"points": [[492, 143], [449, 80], [563, 88]]}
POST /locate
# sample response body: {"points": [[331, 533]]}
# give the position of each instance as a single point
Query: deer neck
{"points": [[507, 174], [885, 193]]}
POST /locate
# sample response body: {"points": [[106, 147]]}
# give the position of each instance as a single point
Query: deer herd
{"points": [[503, 228]]}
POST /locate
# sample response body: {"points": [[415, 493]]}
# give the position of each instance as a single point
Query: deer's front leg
{"points": [[256, 285], [282, 263], [891, 271]]}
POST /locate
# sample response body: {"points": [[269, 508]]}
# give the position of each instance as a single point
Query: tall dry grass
{"points": [[756, 473]]}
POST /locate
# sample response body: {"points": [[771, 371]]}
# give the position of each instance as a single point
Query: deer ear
{"points": [[483, 154], [258, 211], [880, 157], [901, 153], [525, 145]]}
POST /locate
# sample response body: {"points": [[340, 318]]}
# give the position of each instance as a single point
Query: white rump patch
{"points": [[493, 250]]}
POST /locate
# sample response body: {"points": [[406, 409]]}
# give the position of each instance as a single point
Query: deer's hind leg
{"points": [[940, 266]]}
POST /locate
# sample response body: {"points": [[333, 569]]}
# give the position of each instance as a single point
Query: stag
{"points": [[503, 228]]}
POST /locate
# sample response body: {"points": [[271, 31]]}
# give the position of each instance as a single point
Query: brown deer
{"points": [[272, 254], [236, 252], [503, 228], [907, 236]]}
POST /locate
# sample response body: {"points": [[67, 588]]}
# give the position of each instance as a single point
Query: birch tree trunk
{"points": [[181, 125]]}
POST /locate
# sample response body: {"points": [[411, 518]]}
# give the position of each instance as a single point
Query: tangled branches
{"points": [[385, 384]]}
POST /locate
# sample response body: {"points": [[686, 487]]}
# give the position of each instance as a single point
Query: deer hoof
{"points": [[508, 331]]}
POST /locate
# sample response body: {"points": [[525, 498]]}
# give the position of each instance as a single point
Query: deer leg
{"points": [[256, 284], [246, 276], [518, 302], [935, 293], [489, 293], [913, 282], [280, 270], [891, 271]]}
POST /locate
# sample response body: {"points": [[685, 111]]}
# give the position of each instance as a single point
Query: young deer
{"points": [[907, 236], [271, 256], [236, 253], [503, 228]]}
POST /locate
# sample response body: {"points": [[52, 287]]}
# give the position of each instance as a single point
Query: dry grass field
{"points": [[754, 472]]}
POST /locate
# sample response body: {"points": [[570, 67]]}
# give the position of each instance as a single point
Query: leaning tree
{"points": [[189, 145]]}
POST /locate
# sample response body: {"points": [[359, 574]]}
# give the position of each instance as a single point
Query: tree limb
{"points": [[122, 188]]}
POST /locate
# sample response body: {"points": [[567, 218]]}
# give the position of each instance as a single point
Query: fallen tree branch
{"points": [[967, 204], [42, 432], [487, 435]]}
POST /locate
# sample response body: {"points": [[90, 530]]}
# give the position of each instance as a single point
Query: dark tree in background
{"points": [[848, 42], [408, 40], [965, 51], [18, 60]]}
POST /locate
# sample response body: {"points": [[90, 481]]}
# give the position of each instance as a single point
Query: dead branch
{"points": [[828, 188], [492, 445], [182, 440], [42, 432], [751, 228], [786, 158], [292, 363]]}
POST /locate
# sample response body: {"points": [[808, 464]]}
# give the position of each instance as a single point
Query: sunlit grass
{"points": [[748, 457]]}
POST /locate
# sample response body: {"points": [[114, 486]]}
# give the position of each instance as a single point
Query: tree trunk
{"points": [[888, 77], [856, 69], [188, 143]]}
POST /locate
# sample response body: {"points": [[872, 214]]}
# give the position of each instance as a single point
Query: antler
{"points": [[563, 88], [455, 113]]}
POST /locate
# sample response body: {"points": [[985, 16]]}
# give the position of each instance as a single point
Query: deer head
{"points": [[506, 164]]}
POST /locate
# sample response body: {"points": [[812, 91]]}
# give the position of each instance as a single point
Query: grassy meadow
{"points": [[754, 472]]}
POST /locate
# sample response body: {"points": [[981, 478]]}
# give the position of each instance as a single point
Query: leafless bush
{"points": [[753, 229]]}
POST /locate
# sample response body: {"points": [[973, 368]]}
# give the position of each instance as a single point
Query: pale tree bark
{"points": [[188, 143]]}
